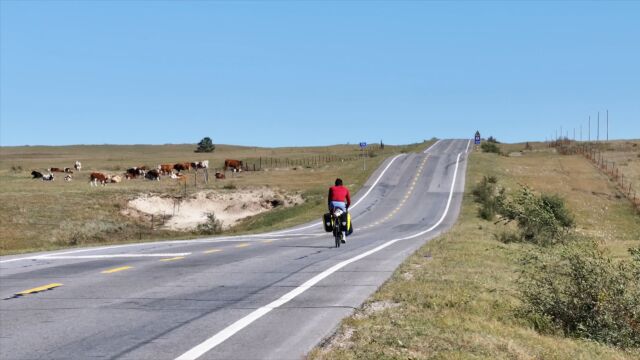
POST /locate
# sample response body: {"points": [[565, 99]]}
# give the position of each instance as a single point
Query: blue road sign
{"points": [[363, 144], [477, 140]]}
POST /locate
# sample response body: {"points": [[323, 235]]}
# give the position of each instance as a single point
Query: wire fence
{"points": [[601, 157]]}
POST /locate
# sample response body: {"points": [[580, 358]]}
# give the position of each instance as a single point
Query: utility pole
{"points": [[574, 134], [561, 132], [607, 124], [598, 132]]}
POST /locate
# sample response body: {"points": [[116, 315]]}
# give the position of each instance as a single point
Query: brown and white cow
{"points": [[182, 166], [77, 165], [115, 179], [204, 164], [68, 177], [235, 165], [55, 169], [165, 169], [220, 175], [68, 170], [97, 177]]}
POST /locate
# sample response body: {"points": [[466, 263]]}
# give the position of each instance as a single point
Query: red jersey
{"points": [[339, 193]]}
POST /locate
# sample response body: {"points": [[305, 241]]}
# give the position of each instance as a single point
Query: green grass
{"points": [[456, 297], [37, 215]]}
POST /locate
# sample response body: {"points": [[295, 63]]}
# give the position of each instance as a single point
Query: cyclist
{"points": [[339, 198]]}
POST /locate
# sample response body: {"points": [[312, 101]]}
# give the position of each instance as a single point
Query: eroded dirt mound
{"points": [[228, 206]]}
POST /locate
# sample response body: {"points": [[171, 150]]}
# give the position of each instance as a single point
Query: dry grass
{"points": [[457, 294], [37, 215]]}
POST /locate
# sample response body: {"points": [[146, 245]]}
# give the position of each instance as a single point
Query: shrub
{"points": [[212, 226], [581, 292], [543, 220], [490, 147], [493, 140], [488, 196]]}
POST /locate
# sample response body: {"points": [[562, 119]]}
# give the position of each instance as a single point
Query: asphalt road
{"points": [[267, 296]]}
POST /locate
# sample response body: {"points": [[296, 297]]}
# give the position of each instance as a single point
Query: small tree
{"points": [[205, 145]]}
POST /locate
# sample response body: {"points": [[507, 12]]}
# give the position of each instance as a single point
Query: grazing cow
{"points": [[134, 172], [182, 166], [235, 165], [97, 177], [220, 175], [55, 170], [68, 170], [165, 169], [47, 177], [178, 176], [77, 165], [68, 177], [115, 179], [204, 164], [153, 175], [36, 174]]}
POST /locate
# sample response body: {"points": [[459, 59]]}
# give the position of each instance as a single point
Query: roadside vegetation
{"points": [[37, 215], [543, 263]]}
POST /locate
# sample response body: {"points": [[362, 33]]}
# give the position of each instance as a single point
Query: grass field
{"points": [[456, 297], [37, 215]]}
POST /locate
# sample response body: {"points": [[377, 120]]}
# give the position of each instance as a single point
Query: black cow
{"points": [[153, 175], [36, 174]]}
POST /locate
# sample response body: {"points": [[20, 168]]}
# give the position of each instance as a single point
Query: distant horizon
{"points": [[310, 146]]}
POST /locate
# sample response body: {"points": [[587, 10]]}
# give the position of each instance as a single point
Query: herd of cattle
{"points": [[96, 178]]}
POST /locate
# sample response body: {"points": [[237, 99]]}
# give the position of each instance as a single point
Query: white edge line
{"points": [[352, 206], [210, 240], [230, 330], [430, 147], [469, 143]]}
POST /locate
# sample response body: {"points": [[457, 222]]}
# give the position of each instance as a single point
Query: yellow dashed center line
{"points": [[39, 288], [242, 245], [116, 269], [173, 258], [406, 196], [211, 251]]}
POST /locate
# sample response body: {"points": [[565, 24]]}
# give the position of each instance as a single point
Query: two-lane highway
{"points": [[266, 296]]}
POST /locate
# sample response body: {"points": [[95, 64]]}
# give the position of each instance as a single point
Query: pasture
{"points": [[456, 297], [43, 215]]}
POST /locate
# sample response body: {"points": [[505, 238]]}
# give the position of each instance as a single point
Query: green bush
{"points": [[486, 194], [490, 147], [212, 226], [543, 220], [579, 291]]}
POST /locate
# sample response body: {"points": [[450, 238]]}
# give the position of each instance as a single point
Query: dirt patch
{"points": [[374, 307], [229, 206]]}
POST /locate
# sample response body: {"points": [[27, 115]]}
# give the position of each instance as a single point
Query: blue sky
{"points": [[315, 72]]}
